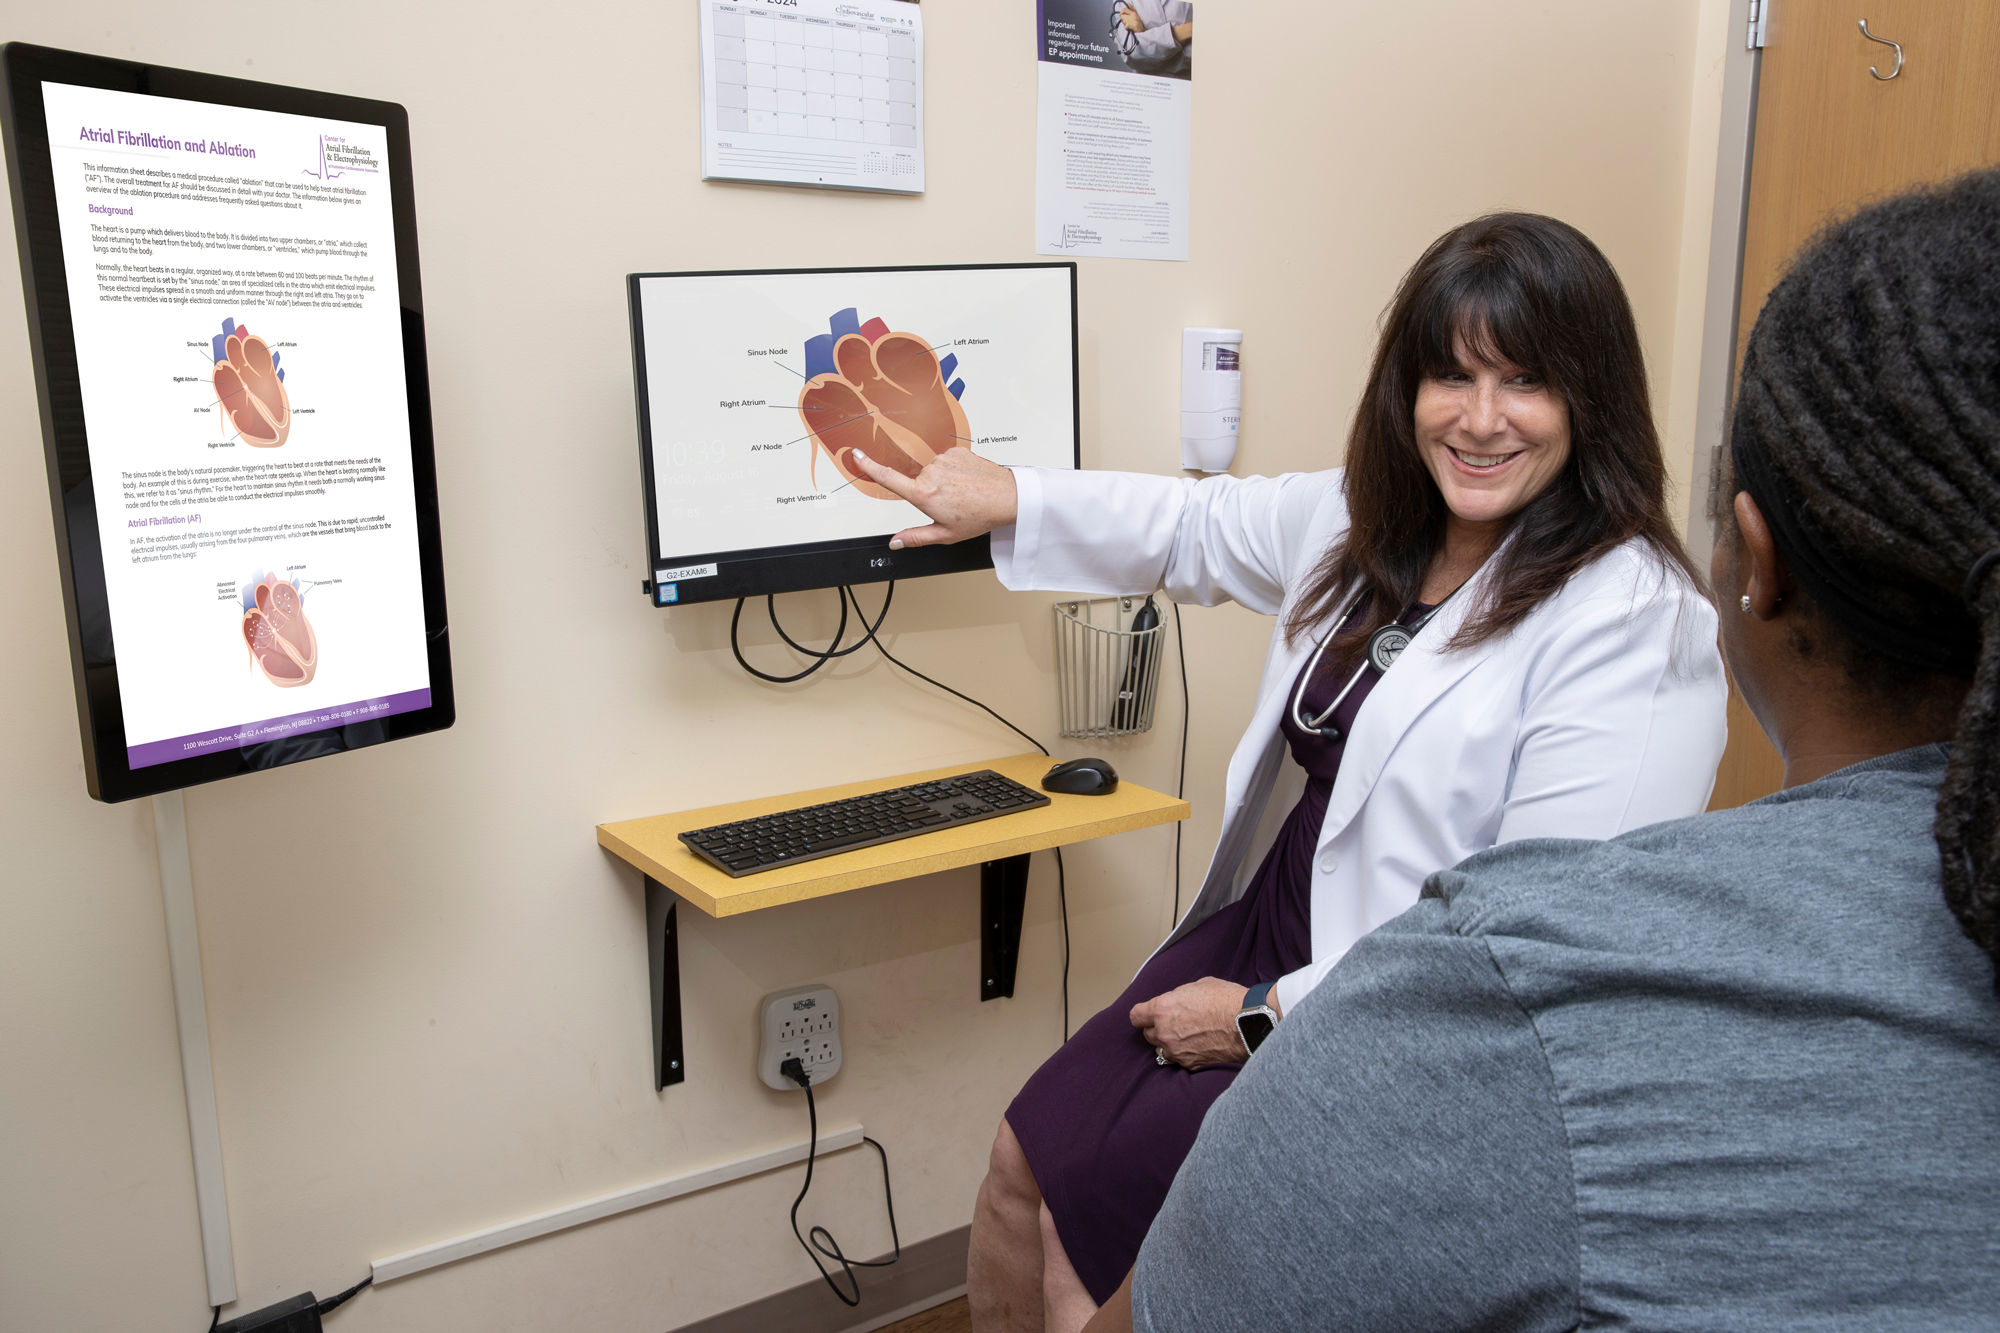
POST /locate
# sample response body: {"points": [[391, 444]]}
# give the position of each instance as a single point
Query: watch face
{"points": [[1254, 1027]]}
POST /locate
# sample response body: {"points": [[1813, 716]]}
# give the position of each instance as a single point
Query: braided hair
{"points": [[1868, 430]]}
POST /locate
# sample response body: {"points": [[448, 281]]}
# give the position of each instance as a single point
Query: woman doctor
{"points": [[1502, 513]]}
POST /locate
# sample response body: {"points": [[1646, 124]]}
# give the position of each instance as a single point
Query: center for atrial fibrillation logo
{"points": [[880, 394]]}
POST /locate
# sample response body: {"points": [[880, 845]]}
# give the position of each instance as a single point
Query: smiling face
{"points": [[1492, 435]]}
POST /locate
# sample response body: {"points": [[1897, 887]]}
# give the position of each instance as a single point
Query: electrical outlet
{"points": [[803, 1024]]}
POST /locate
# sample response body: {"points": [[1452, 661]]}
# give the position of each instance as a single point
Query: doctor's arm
{"points": [[1219, 539]]}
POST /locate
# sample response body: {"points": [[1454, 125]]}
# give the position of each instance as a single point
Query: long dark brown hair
{"points": [[1529, 290]]}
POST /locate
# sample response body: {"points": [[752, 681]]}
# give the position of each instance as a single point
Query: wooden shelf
{"points": [[654, 847], [999, 847]]}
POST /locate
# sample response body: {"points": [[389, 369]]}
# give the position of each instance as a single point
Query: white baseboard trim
{"points": [[604, 1205]]}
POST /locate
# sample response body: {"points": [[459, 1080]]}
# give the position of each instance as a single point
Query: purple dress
{"points": [[1103, 1125]]}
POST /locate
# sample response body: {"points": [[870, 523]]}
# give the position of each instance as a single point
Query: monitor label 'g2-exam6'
{"points": [[232, 283]]}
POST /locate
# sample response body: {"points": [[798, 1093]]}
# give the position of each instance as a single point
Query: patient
{"points": [[1740, 1071]]}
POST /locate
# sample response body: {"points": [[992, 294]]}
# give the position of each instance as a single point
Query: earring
{"points": [[1746, 603]]}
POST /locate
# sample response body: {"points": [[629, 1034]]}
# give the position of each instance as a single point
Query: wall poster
{"points": [[1113, 122]]}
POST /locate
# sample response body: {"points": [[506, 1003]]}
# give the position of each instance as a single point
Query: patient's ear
{"points": [[1769, 577]]}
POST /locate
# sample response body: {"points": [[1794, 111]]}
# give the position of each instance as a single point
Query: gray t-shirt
{"points": [[1736, 1072]]}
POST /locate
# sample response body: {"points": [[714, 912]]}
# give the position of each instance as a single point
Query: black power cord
{"points": [[326, 1306], [1062, 887], [869, 633], [795, 1071], [1062, 901], [283, 1314], [833, 650], [1180, 787]]}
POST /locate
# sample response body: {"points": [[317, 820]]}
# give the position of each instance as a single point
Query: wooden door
{"points": [[1830, 136]]}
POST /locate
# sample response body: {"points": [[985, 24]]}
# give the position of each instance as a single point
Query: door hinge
{"points": [[1760, 11]]}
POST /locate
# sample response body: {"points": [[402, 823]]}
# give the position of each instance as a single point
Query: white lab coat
{"points": [[1603, 711]]}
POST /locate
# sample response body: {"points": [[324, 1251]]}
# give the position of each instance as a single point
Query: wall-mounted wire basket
{"points": [[1108, 652]]}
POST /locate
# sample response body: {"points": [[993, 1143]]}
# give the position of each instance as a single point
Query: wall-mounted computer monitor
{"points": [[227, 328], [756, 389]]}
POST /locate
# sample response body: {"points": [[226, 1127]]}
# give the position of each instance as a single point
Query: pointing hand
{"points": [[962, 494]]}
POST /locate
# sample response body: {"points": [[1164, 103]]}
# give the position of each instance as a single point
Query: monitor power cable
{"points": [[795, 1071], [1062, 906], [1180, 786], [284, 1315], [833, 651]]}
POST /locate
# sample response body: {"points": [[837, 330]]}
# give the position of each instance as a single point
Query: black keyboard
{"points": [[806, 834]]}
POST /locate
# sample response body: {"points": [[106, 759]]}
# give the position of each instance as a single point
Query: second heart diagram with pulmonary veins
{"points": [[280, 638]]}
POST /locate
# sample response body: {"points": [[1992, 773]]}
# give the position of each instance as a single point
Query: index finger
{"points": [[886, 477]]}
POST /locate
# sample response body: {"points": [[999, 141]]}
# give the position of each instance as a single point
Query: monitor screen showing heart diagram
{"points": [[761, 389]]}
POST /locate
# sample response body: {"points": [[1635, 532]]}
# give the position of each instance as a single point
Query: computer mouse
{"points": [[1082, 777]]}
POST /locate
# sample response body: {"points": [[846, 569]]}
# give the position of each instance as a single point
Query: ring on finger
{"points": [[1160, 1056]]}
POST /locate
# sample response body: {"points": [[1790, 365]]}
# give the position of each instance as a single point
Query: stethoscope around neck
{"points": [[1385, 645]]}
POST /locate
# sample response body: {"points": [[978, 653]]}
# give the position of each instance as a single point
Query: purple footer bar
{"points": [[275, 728]]}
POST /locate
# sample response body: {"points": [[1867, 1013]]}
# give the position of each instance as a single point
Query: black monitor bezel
{"points": [[24, 69], [759, 570]]}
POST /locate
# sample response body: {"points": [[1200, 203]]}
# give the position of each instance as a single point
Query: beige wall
{"points": [[425, 982]]}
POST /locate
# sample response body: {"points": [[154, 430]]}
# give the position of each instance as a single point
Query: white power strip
{"points": [[802, 1024]]}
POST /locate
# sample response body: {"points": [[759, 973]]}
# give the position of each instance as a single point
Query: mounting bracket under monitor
{"points": [[801, 571]]}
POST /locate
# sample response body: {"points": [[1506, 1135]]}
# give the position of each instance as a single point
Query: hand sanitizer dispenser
{"points": [[1211, 397]]}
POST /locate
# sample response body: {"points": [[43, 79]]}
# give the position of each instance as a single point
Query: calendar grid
{"points": [[806, 77]]}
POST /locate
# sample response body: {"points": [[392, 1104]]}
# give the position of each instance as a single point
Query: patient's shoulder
{"points": [[1861, 838]]}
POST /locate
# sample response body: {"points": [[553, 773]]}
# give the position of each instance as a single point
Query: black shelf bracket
{"points": [[1003, 898], [663, 951]]}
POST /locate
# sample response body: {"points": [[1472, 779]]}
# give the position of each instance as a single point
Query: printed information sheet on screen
{"points": [[232, 283]]}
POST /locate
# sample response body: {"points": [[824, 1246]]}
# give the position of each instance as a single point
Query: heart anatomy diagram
{"points": [[280, 638], [882, 394], [250, 387]]}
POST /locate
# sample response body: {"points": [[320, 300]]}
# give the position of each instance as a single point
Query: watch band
{"points": [[1257, 995]]}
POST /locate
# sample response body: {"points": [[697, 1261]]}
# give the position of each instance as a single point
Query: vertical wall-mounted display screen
{"points": [[223, 286]]}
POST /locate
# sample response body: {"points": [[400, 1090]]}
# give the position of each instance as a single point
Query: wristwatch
{"points": [[1255, 1019]]}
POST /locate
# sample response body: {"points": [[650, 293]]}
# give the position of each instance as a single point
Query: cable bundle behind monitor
{"points": [[834, 650]]}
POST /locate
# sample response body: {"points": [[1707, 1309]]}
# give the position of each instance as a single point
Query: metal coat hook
{"points": [[1886, 42]]}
